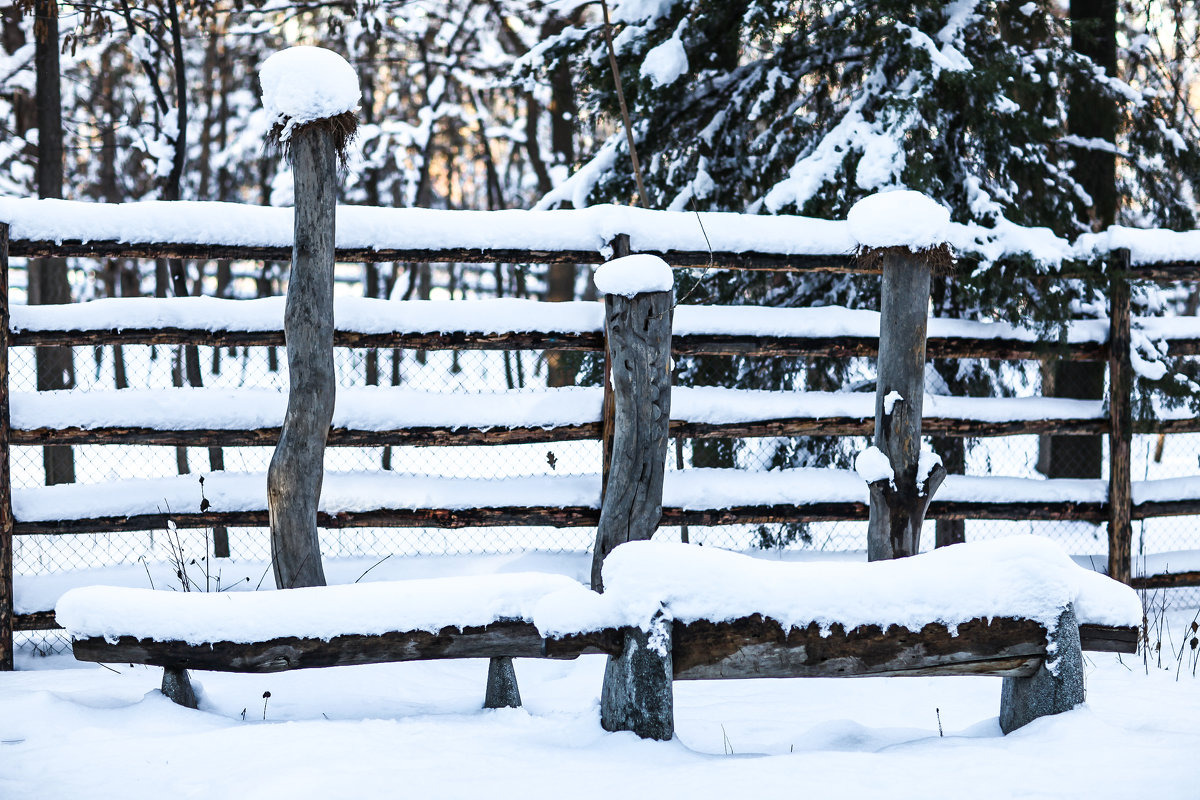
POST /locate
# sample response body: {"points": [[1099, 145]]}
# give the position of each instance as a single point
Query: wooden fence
{"points": [[1117, 507]]}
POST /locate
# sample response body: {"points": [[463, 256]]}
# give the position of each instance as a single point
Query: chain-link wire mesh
{"points": [[45, 564]]}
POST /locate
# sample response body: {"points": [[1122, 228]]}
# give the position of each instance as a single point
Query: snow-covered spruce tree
{"points": [[794, 106]]}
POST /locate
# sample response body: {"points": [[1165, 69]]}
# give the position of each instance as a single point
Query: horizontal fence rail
{"points": [[232, 231]]}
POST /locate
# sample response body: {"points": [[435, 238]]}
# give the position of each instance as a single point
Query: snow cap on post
{"points": [[303, 86], [634, 274], [901, 219]]}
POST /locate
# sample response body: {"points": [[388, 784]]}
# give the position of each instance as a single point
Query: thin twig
{"points": [[612, 60], [373, 566], [711, 259]]}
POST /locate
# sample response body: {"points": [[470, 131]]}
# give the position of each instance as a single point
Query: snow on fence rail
{"points": [[217, 231], [209, 231]]}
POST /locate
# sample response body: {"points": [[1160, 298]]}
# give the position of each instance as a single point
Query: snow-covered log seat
{"points": [[1018, 608]]}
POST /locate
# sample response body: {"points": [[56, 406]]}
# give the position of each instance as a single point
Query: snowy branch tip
{"points": [[305, 85], [899, 219], [634, 274]]}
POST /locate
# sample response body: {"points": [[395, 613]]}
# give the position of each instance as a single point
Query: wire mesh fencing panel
{"points": [[37, 559]]}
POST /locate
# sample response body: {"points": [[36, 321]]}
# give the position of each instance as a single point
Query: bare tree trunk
{"points": [[48, 282], [1091, 114], [297, 468]]}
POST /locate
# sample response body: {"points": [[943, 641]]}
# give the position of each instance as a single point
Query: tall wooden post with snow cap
{"points": [[637, 694], [311, 94], [905, 234]]}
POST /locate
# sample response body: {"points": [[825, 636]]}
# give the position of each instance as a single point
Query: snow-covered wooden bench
{"points": [[1017, 608]]}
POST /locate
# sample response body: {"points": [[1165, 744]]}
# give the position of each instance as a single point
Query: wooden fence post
{"points": [[1120, 416], [298, 466], [316, 145], [7, 595], [638, 341], [637, 694], [898, 505]]}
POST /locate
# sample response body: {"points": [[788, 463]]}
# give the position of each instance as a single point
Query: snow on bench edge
{"points": [[429, 604], [1020, 576]]}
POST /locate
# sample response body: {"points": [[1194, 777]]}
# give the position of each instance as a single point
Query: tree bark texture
{"points": [[297, 468], [898, 507], [1120, 410], [498, 639], [48, 282], [639, 337]]}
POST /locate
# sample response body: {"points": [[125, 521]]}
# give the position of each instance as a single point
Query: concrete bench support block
{"points": [[502, 689], [178, 687], [637, 694], [1056, 687]]}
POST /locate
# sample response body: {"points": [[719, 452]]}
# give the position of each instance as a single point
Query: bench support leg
{"points": [[502, 690], [1056, 687], [637, 694], [178, 686]]}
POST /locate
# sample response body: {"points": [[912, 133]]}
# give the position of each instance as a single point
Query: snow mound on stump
{"points": [[305, 84], [899, 219], [1020, 576], [872, 465], [634, 274]]}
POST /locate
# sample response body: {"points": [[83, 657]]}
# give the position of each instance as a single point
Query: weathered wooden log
{"points": [[1055, 687], [434, 436], [467, 255], [177, 686], [682, 344], [1166, 580], [1120, 410], [898, 505], [587, 341], [422, 436], [1106, 639], [637, 694], [7, 596], [502, 690], [757, 647], [510, 639], [577, 516], [35, 621], [639, 334], [298, 466]]}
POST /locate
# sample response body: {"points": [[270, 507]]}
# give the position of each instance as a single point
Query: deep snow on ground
{"points": [[417, 730]]}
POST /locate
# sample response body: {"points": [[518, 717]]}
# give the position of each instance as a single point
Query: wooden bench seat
{"points": [[529, 615]]}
